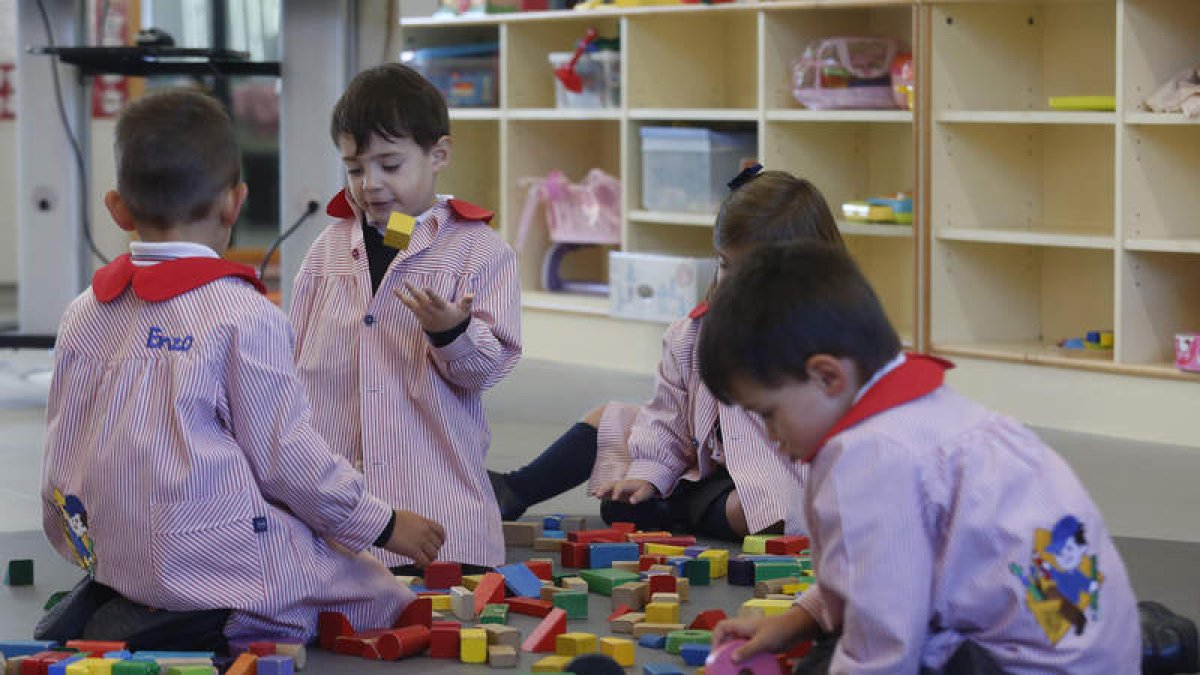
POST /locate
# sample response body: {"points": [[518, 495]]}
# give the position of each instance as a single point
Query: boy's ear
{"points": [[231, 204], [119, 211], [440, 153], [830, 373]]}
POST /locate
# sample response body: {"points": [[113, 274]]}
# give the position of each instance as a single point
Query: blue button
{"points": [[260, 524], [369, 319]]}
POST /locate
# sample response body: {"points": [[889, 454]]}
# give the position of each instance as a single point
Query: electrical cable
{"points": [[86, 224], [309, 210]]}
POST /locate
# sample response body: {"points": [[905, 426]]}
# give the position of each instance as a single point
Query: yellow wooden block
{"points": [[399, 230], [551, 664], [619, 649], [756, 543], [471, 581], [793, 589], [574, 644], [91, 667], [683, 586], [664, 549], [718, 562], [768, 607], [441, 603], [473, 646], [662, 612]]}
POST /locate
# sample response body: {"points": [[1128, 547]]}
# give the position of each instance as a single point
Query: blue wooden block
{"points": [[602, 555], [661, 669], [552, 523], [60, 668], [276, 665], [653, 641], [554, 534], [521, 581], [14, 648], [418, 588], [694, 654], [122, 655], [694, 551], [154, 656], [677, 562], [741, 572]]}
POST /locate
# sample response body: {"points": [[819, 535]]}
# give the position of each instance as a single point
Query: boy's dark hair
{"points": [[175, 153], [774, 206], [785, 304], [393, 101]]}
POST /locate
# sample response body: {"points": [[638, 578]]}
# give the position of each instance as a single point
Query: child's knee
{"points": [[594, 415]]}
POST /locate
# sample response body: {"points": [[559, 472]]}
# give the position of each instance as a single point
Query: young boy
{"points": [[181, 469], [942, 533], [398, 339]]}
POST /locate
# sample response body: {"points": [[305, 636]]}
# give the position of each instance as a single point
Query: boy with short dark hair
{"points": [[181, 469], [942, 533]]}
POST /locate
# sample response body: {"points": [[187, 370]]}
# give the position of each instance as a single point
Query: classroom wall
{"points": [[8, 204]]}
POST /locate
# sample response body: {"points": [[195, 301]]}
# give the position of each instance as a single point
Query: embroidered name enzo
{"points": [[157, 339]]}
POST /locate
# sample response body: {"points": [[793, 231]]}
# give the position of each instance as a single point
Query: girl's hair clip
{"points": [[748, 174]]}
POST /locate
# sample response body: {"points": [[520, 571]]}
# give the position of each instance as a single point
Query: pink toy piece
{"points": [[720, 661], [1187, 352]]}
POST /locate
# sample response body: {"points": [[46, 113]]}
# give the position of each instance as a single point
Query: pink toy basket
{"points": [[846, 73], [588, 212]]}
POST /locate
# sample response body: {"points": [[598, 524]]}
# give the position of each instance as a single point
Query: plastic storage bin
{"points": [[653, 287], [467, 75], [601, 75], [686, 169]]}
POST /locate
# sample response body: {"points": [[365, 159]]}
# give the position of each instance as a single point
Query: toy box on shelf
{"points": [[654, 287], [845, 73], [684, 169], [467, 75]]}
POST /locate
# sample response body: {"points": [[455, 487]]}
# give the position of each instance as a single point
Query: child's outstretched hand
{"points": [[435, 313], [630, 491], [766, 634], [416, 537]]}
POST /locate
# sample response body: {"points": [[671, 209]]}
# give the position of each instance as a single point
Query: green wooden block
{"points": [[494, 613], [190, 670], [776, 570], [20, 573], [679, 638], [756, 543], [574, 603], [602, 581], [54, 600], [697, 571], [135, 668]]}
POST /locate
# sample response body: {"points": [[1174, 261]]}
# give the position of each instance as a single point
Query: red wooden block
{"points": [[646, 561], [639, 537], [627, 528], [444, 642], [662, 583], [542, 639], [608, 536], [529, 606], [489, 591], [446, 624], [418, 613], [621, 610], [96, 648], [682, 540], [540, 569], [261, 648], [354, 645], [441, 575], [391, 644], [40, 662], [410, 640], [575, 554], [707, 620], [790, 545], [331, 626]]}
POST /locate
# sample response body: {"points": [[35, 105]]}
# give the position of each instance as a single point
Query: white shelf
{"points": [[1163, 245], [695, 114], [1167, 119], [671, 218], [890, 116], [893, 230], [565, 302], [1024, 117], [1051, 238], [474, 113], [560, 114]]}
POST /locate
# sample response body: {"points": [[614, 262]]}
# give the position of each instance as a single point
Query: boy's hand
{"points": [[766, 634], [416, 537], [433, 312], [630, 491]]}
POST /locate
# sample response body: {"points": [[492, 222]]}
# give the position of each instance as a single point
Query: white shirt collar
{"points": [[146, 253], [889, 367]]}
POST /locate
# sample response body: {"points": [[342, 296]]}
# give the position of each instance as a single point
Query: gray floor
{"points": [[528, 410]]}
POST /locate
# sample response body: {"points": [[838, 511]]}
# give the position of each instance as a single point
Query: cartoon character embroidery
{"points": [[1062, 587], [75, 527]]}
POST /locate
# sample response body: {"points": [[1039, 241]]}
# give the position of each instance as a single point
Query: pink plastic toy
{"points": [[720, 662], [1187, 352]]}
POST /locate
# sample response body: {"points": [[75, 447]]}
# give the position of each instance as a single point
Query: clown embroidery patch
{"points": [[75, 527], [1062, 584]]}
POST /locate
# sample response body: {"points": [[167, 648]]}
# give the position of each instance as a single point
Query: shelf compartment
{"points": [[1158, 300], [1161, 119], [474, 175], [565, 302], [671, 218], [534, 149], [1181, 245], [558, 114], [889, 264], [1061, 238], [892, 116], [1160, 195], [670, 239], [1015, 55], [882, 230], [692, 60], [1024, 117], [1051, 179], [846, 161], [528, 78], [1160, 43], [787, 31], [988, 294]]}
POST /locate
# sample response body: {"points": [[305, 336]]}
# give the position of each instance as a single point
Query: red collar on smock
{"points": [[339, 207], [699, 310], [916, 377], [165, 280]]}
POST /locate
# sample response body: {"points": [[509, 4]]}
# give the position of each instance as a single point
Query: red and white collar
{"points": [[146, 253], [167, 279], [341, 207]]}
